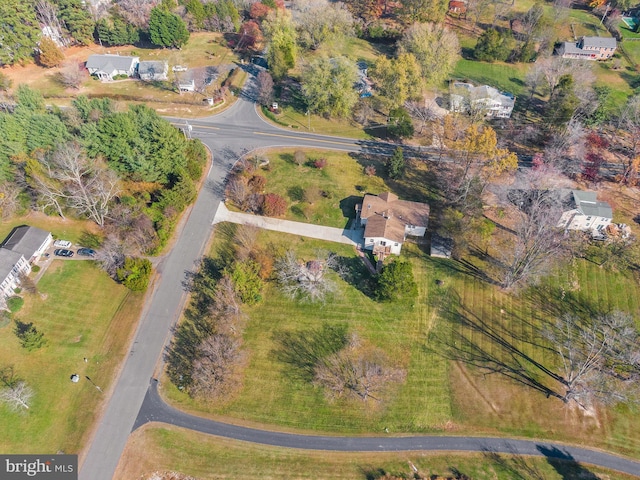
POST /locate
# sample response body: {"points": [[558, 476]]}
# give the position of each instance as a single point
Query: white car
{"points": [[179, 68], [62, 243]]}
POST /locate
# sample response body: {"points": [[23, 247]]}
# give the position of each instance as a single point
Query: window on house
{"points": [[395, 244], [383, 243], [588, 219]]}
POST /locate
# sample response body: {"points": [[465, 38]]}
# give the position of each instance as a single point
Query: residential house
{"points": [[186, 82], [465, 97], [459, 8], [107, 66], [22, 247], [586, 213], [153, 70], [388, 221], [589, 48]]}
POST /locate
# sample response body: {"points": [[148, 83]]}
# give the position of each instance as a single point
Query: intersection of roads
{"points": [[134, 398]]}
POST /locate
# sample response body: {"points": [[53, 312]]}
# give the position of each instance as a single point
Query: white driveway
{"points": [[330, 234]]}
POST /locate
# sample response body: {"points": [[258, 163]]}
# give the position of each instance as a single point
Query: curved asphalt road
{"points": [[230, 134], [154, 409]]}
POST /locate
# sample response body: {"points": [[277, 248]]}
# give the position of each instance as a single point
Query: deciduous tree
{"points": [[265, 88], [320, 20], [72, 75], [396, 283], [49, 54], [307, 281], [435, 47], [327, 84], [398, 79], [217, 357], [282, 49]]}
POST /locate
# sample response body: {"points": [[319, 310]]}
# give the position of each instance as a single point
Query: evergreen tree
{"points": [[115, 30], [395, 283], [19, 31], [77, 18], [493, 45], [400, 125], [167, 29], [396, 164], [563, 101]]}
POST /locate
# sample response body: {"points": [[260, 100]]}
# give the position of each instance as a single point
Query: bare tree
{"points": [[358, 372], [238, 191], [307, 281], [72, 74], [423, 111], [245, 240], [537, 240], [218, 355], [111, 255], [567, 148], [137, 11], [599, 358], [265, 88], [47, 14], [14, 391], [9, 199]]}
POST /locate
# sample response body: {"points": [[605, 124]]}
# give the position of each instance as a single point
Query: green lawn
{"points": [[83, 313], [343, 182], [161, 448], [269, 396], [508, 77], [60, 228]]}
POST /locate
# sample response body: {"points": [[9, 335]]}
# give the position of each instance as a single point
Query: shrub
{"points": [[320, 163], [135, 274], [312, 195], [274, 205], [370, 170], [257, 183], [299, 157], [247, 282], [14, 304], [35, 268]]}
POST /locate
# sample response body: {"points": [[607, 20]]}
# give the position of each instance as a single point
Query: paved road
{"points": [[155, 410], [228, 135]]}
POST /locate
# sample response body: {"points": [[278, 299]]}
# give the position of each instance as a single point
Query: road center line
{"points": [[306, 139]]}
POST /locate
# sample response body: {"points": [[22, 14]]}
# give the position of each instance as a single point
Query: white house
{"points": [[107, 66], [589, 48], [23, 246], [586, 213], [490, 101], [153, 70], [388, 221]]}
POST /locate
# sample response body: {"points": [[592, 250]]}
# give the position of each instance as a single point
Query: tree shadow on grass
{"points": [[550, 301], [301, 351], [490, 347], [564, 463], [356, 274]]}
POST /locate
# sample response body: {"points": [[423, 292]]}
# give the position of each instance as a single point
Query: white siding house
{"points": [[587, 213], [105, 67], [388, 221], [465, 97], [22, 247]]}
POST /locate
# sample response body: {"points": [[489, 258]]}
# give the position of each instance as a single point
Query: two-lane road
{"points": [[228, 135]]}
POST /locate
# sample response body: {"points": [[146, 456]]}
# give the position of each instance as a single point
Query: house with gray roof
{"points": [[153, 70], [586, 213], [107, 66], [589, 48], [465, 97], [22, 247]]}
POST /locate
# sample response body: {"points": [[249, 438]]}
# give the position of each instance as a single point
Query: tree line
{"points": [[131, 172]]}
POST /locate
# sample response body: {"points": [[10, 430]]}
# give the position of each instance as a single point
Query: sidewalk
{"points": [[330, 234]]}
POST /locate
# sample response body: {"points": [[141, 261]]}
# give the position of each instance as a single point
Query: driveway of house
{"points": [[330, 234]]}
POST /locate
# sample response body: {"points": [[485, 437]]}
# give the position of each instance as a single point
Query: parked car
{"points": [[62, 243], [61, 252], [86, 252]]}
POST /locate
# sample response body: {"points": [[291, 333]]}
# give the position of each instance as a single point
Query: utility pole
{"points": [[605, 14]]}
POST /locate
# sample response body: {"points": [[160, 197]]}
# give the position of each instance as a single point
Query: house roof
{"points": [[109, 62], [25, 240], [587, 203], [8, 259], [573, 49], [483, 92], [599, 42], [152, 67], [387, 216]]}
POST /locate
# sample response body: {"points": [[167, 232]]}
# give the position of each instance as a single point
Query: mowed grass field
{"points": [[83, 313], [160, 448], [440, 395]]}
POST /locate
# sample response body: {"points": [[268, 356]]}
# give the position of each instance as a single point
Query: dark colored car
{"points": [[86, 252], [63, 253]]}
